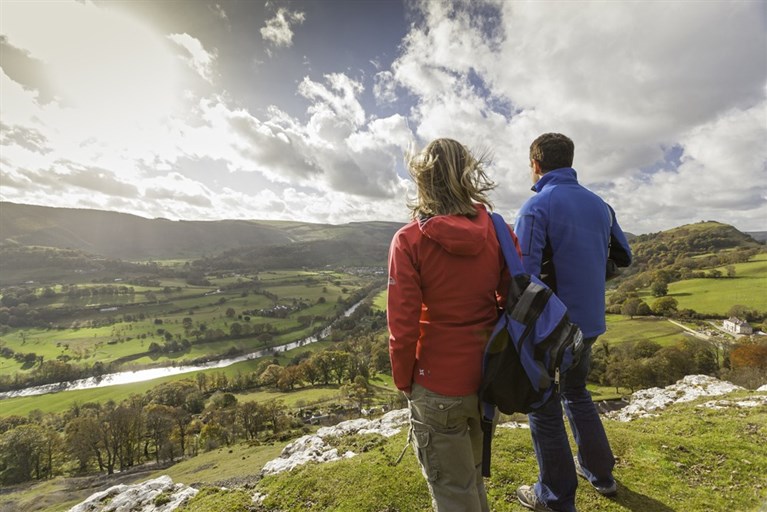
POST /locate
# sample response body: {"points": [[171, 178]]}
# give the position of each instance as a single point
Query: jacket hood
{"points": [[458, 234]]}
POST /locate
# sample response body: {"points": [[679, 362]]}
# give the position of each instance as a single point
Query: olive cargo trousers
{"points": [[447, 440]]}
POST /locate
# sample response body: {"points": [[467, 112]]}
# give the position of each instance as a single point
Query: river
{"points": [[130, 377]]}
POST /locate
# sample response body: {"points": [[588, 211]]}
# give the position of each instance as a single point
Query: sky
{"points": [[304, 110]]}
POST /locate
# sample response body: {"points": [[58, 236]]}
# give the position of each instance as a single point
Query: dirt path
{"points": [[691, 331]]}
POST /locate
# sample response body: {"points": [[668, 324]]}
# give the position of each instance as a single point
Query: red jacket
{"points": [[446, 275]]}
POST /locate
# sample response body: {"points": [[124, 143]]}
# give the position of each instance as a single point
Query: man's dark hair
{"points": [[552, 151]]}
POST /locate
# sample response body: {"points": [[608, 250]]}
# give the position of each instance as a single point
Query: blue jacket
{"points": [[564, 232]]}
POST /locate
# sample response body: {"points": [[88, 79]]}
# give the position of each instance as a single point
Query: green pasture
{"points": [[379, 302], [284, 275], [299, 397], [717, 296], [622, 329], [238, 461], [106, 344]]}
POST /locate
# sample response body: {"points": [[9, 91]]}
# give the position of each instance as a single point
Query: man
{"points": [[565, 234]]}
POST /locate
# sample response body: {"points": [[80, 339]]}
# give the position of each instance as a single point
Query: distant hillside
{"points": [[129, 237], [760, 236], [667, 248]]}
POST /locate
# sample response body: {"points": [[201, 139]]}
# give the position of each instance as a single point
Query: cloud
{"points": [[177, 188], [71, 175], [218, 11], [28, 138], [196, 56], [83, 125], [384, 88], [484, 72], [24, 69], [278, 30]]}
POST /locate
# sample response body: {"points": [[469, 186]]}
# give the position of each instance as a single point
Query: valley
{"points": [[254, 345]]}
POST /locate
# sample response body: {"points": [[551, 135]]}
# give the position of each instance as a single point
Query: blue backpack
{"points": [[532, 345]]}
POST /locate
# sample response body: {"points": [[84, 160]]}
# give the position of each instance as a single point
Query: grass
{"points": [[379, 302], [621, 329], [688, 458], [241, 461], [120, 339], [296, 398], [716, 296]]}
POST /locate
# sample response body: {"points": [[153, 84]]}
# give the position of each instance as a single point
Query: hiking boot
{"points": [[609, 491], [527, 497]]}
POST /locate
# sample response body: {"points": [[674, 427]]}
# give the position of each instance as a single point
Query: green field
{"points": [[717, 296], [622, 329], [379, 302], [108, 336]]}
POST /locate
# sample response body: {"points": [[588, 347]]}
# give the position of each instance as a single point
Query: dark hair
{"points": [[552, 151]]}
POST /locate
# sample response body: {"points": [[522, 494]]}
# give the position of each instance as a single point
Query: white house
{"points": [[737, 326]]}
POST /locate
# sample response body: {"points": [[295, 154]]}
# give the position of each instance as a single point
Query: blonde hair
{"points": [[449, 179]]}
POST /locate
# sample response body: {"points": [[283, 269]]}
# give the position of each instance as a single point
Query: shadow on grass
{"points": [[636, 502]]}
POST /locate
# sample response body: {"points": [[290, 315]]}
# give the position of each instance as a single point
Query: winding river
{"points": [[130, 377]]}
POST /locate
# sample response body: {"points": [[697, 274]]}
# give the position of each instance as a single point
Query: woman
{"points": [[445, 274]]}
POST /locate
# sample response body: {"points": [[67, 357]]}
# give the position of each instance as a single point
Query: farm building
{"points": [[737, 326]]}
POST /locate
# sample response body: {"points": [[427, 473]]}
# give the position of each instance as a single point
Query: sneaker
{"points": [[527, 497], [610, 490]]}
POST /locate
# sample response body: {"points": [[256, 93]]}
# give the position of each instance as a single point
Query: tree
{"points": [[357, 392], [309, 371], [173, 394], [230, 312], [21, 454], [271, 375], [339, 364], [322, 362], [665, 306], [291, 376], [252, 416], [749, 355], [159, 426], [743, 312], [644, 349], [671, 364], [631, 307], [659, 288]]}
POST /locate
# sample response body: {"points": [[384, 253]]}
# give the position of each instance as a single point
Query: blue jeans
{"points": [[557, 480]]}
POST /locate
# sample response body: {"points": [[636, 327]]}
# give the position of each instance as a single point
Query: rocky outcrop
{"points": [[158, 495], [646, 402], [313, 448]]}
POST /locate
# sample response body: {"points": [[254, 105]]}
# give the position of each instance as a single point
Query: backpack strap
{"points": [[486, 422], [515, 267], [510, 254]]}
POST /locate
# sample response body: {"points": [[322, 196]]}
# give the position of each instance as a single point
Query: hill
{"points": [[677, 246], [130, 237]]}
